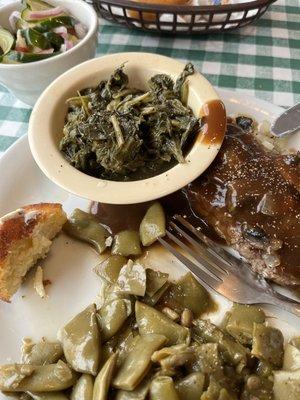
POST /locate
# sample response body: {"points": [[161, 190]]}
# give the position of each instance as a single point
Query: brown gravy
{"points": [[214, 122]]}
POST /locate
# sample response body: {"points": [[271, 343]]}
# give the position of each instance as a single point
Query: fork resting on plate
{"points": [[221, 271]]}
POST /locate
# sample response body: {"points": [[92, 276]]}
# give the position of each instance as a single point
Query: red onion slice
{"points": [[51, 12], [14, 16], [80, 30]]}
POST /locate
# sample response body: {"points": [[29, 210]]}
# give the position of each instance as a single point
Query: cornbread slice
{"points": [[26, 236]]}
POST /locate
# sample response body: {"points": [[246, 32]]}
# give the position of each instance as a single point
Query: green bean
{"points": [[86, 227], [152, 300], [150, 320], [187, 293], [12, 375], [139, 393], [103, 380], [48, 396], [41, 353], [83, 389], [132, 279], [81, 341], [46, 378], [234, 353], [155, 281], [268, 344], [162, 388], [287, 385], [258, 388], [240, 322], [112, 316], [127, 243], [110, 268], [138, 362], [291, 358], [153, 225], [207, 359], [191, 386], [173, 356]]}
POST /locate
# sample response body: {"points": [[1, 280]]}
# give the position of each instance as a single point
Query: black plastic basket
{"points": [[181, 19]]}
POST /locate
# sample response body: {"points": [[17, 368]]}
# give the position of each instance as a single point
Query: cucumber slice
{"points": [[37, 5], [35, 39], [54, 22], [55, 40], [16, 57], [6, 41]]}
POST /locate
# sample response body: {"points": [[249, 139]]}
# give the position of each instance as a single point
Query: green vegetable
{"points": [[85, 226], [163, 388], [187, 293], [37, 5], [268, 344], [41, 353], [291, 358], [155, 280], [138, 361], [234, 353], [191, 386], [127, 243], [35, 39], [103, 380], [207, 359], [54, 22], [48, 396], [153, 225], [150, 320], [54, 39], [83, 389], [81, 341], [240, 322], [110, 268], [46, 378], [139, 393], [287, 385], [112, 316], [152, 300], [129, 134], [132, 279], [6, 41]]}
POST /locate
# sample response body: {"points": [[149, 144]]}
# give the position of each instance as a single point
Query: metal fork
{"points": [[221, 271]]}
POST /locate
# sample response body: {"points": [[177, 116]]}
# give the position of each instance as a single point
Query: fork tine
{"points": [[212, 269], [217, 260], [205, 279], [210, 246]]}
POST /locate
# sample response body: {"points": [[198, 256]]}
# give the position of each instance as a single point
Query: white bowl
{"points": [[48, 116], [27, 81]]}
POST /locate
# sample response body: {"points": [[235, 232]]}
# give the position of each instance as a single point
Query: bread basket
{"points": [[181, 19]]}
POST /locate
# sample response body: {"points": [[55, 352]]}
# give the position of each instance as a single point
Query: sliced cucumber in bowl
{"points": [[6, 41]]}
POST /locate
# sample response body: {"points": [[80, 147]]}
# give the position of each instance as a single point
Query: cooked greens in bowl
{"points": [[117, 132], [38, 32]]}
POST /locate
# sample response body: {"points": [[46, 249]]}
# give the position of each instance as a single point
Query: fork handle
{"points": [[291, 306]]}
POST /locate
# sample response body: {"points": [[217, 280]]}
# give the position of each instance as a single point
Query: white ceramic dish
{"points": [[69, 264], [47, 120], [27, 81]]}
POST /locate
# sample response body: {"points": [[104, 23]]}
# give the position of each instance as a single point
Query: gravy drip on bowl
{"points": [[213, 121]]}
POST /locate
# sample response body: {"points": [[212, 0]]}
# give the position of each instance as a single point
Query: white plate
{"points": [[69, 264]]}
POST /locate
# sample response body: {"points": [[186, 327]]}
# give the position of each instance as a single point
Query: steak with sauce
{"points": [[250, 196]]}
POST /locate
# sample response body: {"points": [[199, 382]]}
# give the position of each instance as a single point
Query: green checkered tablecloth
{"points": [[261, 60]]}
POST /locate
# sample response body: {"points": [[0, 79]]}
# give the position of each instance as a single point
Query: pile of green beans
{"points": [[147, 339]]}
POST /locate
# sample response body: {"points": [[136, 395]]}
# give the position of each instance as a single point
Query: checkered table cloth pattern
{"points": [[261, 60]]}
